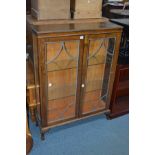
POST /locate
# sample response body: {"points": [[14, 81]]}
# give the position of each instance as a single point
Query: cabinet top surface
{"points": [[75, 27]]}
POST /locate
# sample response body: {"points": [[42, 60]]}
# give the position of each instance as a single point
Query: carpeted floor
{"points": [[93, 136]]}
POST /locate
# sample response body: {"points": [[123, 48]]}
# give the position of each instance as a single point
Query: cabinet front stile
{"points": [[43, 81]]}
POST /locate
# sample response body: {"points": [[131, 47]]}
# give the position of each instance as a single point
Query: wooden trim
{"points": [[44, 129], [61, 121], [67, 34], [62, 38], [84, 72], [43, 80], [79, 78], [102, 35], [31, 20], [36, 69], [96, 112]]}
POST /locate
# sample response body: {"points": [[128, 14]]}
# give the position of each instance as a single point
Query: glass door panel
{"points": [[62, 71], [95, 87]]}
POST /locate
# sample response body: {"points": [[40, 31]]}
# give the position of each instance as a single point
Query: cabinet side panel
{"points": [[36, 73], [42, 80]]}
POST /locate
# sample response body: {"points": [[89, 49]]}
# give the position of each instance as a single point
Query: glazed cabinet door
{"points": [[61, 71], [99, 60]]}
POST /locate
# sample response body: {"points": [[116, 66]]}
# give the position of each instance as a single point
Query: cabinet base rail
{"points": [[43, 130]]}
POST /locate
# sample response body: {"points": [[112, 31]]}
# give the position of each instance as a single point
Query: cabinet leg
{"points": [[108, 117], [42, 136]]}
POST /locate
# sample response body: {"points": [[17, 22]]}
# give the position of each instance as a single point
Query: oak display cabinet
{"points": [[74, 67]]}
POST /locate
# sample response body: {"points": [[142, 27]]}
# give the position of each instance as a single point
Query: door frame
{"points": [[44, 78], [117, 37]]}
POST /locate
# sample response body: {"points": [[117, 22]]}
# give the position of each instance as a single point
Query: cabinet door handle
{"points": [[82, 85], [81, 37], [50, 85]]}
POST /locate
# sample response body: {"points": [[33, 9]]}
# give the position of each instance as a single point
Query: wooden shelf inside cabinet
{"points": [[74, 65]]}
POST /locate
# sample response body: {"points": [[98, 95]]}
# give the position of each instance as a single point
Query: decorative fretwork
{"points": [[63, 48], [97, 50], [94, 53]]}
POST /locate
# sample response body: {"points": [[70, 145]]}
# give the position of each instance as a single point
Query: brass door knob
{"points": [[82, 85], [50, 85]]}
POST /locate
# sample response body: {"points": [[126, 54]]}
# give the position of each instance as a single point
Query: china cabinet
{"points": [[74, 67]]}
